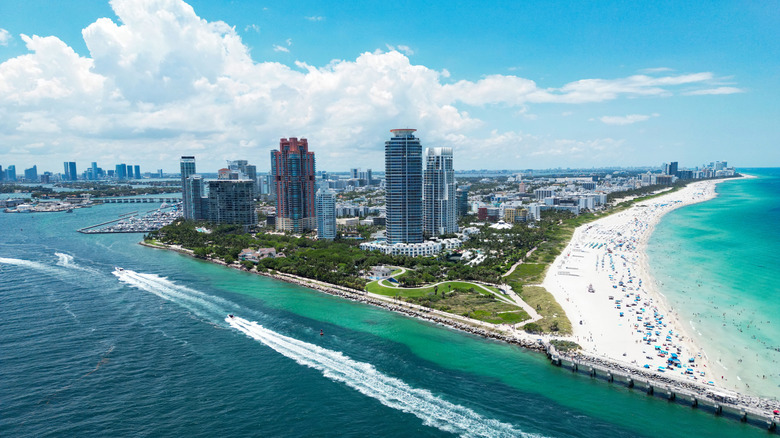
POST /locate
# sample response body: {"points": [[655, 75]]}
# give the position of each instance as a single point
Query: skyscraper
{"points": [[292, 167], [136, 171], [187, 164], [31, 174], [70, 171], [231, 201], [121, 171], [195, 199], [10, 173], [439, 200], [403, 187], [326, 214], [673, 168], [463, 200], [94, 171], [246, 171]]}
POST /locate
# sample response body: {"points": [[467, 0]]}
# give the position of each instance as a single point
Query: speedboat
{"points": [[230, 315], [117, 268]]}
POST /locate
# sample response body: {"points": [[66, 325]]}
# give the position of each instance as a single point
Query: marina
{"points": [[133, 223]]}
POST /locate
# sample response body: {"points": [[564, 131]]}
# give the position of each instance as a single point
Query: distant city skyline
{"points": [[533, 85]]}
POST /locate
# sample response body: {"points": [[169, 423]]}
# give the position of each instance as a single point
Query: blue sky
{"points": [[514, 85]]}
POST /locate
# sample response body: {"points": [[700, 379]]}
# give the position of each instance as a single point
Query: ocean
{"points": [[150, 351], [717, 264]]}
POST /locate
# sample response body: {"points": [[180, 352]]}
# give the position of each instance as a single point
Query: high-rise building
{"points": [[440, 214], [403, 187], [292, 167], [10, 173], [196, 203], [354, 173], [187, 164], [31, 174], [463, 200], [136, 171], [93, 171], [326, 214], [121, 171], [2, 174], [673, 168], [231, 202], [70, 171]]}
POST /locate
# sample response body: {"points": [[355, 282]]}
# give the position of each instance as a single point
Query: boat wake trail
{"points": [[203, 305], [65, 259], [363, 377], [28, 264]]}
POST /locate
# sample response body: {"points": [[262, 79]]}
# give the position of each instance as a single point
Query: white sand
{"points": [[609, 251]]}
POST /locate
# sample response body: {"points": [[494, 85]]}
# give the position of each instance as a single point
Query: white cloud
{"points": [[278, 48], [626, 120], [315, 18], [406, 50], [252, 27], [162, 82], [656, 70], [5, 37], [718, 90]]}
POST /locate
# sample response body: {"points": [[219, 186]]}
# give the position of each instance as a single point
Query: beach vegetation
{"points": [[565, 346]]}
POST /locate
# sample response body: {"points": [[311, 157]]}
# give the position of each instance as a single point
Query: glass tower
{"points": [[187, 169], [403, 187]]}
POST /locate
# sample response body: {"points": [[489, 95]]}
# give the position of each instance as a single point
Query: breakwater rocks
{"points": [[470, 326]]}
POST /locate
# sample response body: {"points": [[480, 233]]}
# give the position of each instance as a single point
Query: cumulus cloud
{"points": [[315, 18], [406, 50], [5, 37], [161, 82], [626, 120]]}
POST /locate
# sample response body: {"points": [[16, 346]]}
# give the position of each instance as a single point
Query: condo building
{"points": [[403, 187], [292, 168], [326, 214], [439, 197]]}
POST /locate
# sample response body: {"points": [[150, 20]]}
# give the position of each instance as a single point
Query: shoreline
{"points": [[604, 326], [540, 343]]}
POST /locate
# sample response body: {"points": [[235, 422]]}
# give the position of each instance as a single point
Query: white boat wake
{"points": [[363, 377]]}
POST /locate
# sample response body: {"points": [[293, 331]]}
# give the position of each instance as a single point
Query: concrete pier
{"points": [[710, 402]]}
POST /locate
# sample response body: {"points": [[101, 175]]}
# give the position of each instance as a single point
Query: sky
{"points": [[512, 85]]}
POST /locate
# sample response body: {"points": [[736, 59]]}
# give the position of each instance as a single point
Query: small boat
{"points": [[70, 210], [230, 315], [117, 268]]}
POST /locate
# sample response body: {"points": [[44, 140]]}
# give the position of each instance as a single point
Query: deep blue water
{"points": [[84, 352]]}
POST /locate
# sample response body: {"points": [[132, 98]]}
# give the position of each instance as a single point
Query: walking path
{"points": [[519, 262]]}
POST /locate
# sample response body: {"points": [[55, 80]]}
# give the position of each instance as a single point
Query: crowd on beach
{"points": [[601, 281]]}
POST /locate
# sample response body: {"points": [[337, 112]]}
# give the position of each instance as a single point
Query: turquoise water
{"points": [[148, 352], [718, 263]]}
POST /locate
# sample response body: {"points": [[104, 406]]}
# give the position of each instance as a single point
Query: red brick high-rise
{"points": [[292, 168]]}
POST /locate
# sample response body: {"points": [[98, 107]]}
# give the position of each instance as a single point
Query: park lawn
{"points": [[484, 307], [416, 292]]}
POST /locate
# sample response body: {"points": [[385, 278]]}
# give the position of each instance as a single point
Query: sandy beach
{"points": [[602, 282]]}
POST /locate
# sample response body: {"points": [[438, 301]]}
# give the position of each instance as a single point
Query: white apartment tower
{"points": [[326, 214], [440, 214]]}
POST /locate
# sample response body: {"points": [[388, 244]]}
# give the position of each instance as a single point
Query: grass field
{"points": [[457, 297]]}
